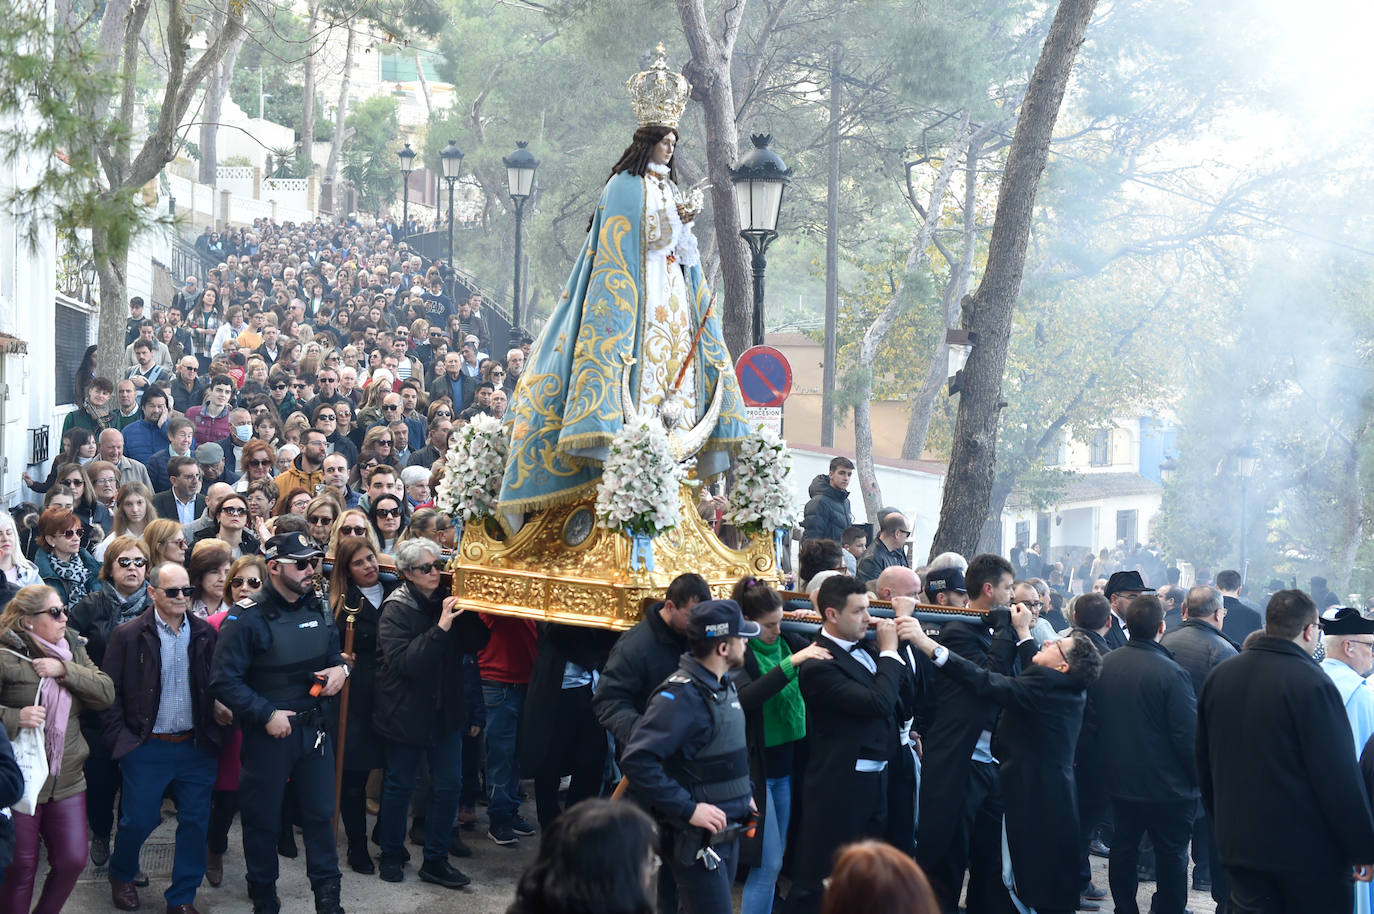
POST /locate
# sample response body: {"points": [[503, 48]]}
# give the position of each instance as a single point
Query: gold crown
{"points": [[658, 94]]}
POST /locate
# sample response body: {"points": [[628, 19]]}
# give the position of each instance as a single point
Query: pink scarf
{"points": [[53, 696]]}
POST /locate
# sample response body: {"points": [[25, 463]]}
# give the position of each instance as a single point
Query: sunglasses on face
{"points": [[443, 414], [56, 612], [251, 582], [304, 563], [279, 387], [327, 417], [320, 519], [350, 530], [388, 512], [391, 406], [175, 592], [259, 463], [426, 568], [74, 531], [384, 442], [235, 511], [75, 483], [125, 562]]}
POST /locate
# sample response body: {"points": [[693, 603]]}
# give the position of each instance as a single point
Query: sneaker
{"points": [[521, 827], [100, 851], [441, 872], [1098, 849], [502, 834], [1094, 892], [391, 870]]}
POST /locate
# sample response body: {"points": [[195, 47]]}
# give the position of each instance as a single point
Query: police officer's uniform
{"points": [[268, 651], [690, 747]]}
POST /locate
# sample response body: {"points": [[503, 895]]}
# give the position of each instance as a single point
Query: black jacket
{"points": [[827, 514], [11, 789], [1241, 619], [419, 695], [851, 714], [363, 751], [1034, 742], [558, 644], [960, 716], [1147, 718], [1278, 779], [133, 661], [1198, 647], [643, 657], [877, 558]]}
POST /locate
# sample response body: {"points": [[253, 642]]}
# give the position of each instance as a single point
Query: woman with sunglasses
{"points": [[165, 541], [380, 445], [422, 636], [388, 517], [326, 419], [74, 477], [232, 525], [18, 570], [123, 597], [208, 573], [258, 462], [43, 657], [133, 511], [356, 586], [246, 577], [353, 522], [62, 563], [320, 514]]}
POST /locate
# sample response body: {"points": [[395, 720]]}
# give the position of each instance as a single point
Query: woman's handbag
{"points": [[32, 756]]}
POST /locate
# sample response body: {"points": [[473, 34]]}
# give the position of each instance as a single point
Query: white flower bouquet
{"points": [[761, 500], [638, 492], [476, 461]]}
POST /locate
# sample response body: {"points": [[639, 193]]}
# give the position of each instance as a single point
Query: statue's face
{"points": [[663, 149]]}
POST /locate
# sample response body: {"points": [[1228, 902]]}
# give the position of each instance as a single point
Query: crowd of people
{"points": [[240, 529]]}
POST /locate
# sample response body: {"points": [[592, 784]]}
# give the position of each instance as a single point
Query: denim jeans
{"points": [[445, 772], [148, 770], [763, 879], [503, 701]]}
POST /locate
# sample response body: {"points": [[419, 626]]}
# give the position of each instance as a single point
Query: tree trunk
{"points": [[832, 254], [968, 482], [709, 73], [216, 87], [331, 169], [424, 85], [877, 331], [960, 279], [306, 159]]}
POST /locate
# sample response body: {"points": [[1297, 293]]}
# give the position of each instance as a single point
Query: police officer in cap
{"points": [[277, 666], [688, 761]]}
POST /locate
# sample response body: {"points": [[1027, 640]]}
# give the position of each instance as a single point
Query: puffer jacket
{"points": [[827, 514], [91, 690]]}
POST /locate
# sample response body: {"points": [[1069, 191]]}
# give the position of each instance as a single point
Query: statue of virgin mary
{"points": [[635, 299]]}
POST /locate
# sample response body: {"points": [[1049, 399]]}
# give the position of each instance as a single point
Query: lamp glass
{"points": [[520, 181], [758, 202], [452, 160], [1245, 465]]}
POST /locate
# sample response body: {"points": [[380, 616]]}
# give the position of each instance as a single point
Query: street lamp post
{"points": [[452, 160], [520, 168], [759, 180], [1246, 459], [407, 157]]}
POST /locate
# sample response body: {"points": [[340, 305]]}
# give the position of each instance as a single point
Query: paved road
{"points": [[494, 871]]}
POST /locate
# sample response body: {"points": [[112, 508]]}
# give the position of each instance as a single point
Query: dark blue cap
{"points": [[944, 580], [720, 619], [291, 547]]}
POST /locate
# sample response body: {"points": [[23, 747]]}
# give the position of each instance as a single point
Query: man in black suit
{"points": [[1241, 617], [1172, 598], [1092, 615], [1278, 780], [183, 502], [1147, 715], [1122, 588], [1198, 645], [854, 706], [960, 810]]}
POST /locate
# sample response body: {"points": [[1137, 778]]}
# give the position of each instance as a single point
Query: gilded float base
{"points": [[561, 567]]}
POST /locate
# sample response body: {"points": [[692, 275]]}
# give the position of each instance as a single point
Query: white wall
{"points": [[915, 492]]}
